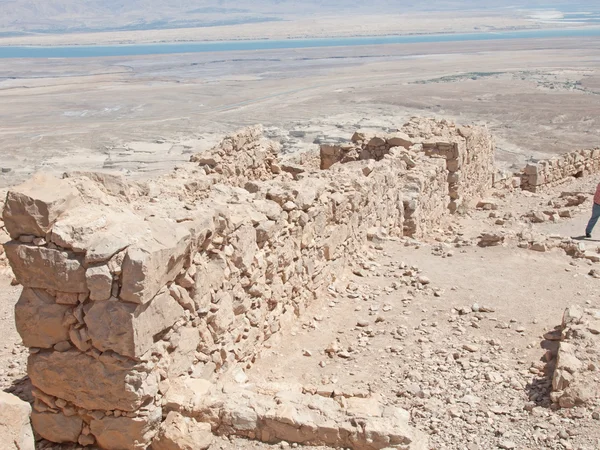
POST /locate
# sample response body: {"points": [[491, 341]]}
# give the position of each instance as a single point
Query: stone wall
{"points": [[467, 150], [128, 287], [551, 172], [574, 377]]}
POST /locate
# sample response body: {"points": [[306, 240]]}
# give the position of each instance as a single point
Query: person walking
{"points": [[595, 213]]}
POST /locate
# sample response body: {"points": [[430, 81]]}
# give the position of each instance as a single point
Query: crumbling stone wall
{"points": [[574, 380], [128, 286], [551, 172], [467, 150]]}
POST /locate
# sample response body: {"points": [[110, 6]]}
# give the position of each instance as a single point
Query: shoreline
{"points": [[308, 39], [319, 28]]}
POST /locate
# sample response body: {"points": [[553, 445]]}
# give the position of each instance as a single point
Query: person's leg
{"points": [[594, 219]]}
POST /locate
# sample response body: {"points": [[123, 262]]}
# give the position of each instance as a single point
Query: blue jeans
{"points": [[594, 219]]}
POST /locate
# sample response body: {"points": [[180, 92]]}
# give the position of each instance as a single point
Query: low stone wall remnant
{"points": [[129, 288], [552, 172], [575, 380], [467, 150]]}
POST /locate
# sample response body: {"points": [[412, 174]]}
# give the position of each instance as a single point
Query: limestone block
{"points": [[131, 433], [244, 243], [99, 231], [15, 427], [182, 433], [269, 208], [57, 427], [330, 154], [309, 419], [334, 241], [91, 383], [210, 276], [222, 320], [40, 320], [34, 206], [182, 297], [114, 184], [129, 329], [154, 261], [185, 341], [185, 394], [266, 231], [45, 268], [400, 139], [99, 282]]}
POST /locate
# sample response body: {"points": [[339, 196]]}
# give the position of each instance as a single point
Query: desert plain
{"points": [[538, 96]]}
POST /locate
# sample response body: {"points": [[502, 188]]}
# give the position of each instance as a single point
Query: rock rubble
{"points": [[128, 287]]}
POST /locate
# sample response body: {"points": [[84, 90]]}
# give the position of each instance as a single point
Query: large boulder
{"points": [[57, 427], [92, 383], [32, 207], [129, 329], [182, 433], [154, 261], [15, 427], [40, 320], [46, 268], [132, 433], [98, 230]]}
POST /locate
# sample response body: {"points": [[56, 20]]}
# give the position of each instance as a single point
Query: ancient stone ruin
{"points": [[467, 151], [574, 378], [135, 295], [552, 172]]}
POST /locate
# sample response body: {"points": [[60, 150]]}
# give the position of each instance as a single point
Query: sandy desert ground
{"points": [[146, 114]]}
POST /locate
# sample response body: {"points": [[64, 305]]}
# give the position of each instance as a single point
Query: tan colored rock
{"points": [[182, 433], [186, 340], [98, 230], [91, 383], [129, 329], [132, 433], [44, 268], [34, 206], [186, 394], [113, 184], [491, 239], [154, 261], [400, 139], [57, 427], [306, 419], [15, 426], [210, 276], [67, 298], [40, 320], [99, 281]]}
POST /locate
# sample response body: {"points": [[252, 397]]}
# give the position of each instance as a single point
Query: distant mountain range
{"points": [[64, 16]]}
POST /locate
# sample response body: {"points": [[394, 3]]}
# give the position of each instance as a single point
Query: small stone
{"points": [[362, 323], [86, 440], [471, 348], [423, 280], [62, 346]]}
